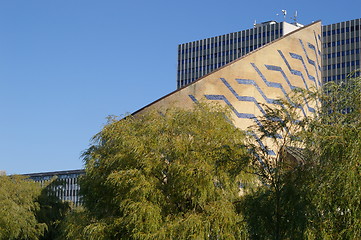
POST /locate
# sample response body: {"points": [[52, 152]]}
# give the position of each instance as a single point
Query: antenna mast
{"points": [[284, 14], [295, 18]]}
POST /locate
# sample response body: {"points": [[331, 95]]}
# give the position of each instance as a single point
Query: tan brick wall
{"points": [[261, 76]]}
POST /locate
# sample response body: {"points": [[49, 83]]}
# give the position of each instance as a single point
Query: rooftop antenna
{"points": [[295, 18], [284, 12], [255, 23]]}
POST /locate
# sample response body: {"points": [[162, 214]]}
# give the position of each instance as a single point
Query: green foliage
{"points": [[172, 175], [335, 163], [313, 192], [177, 175], [52, 210], [17, 208], [276, 208]]}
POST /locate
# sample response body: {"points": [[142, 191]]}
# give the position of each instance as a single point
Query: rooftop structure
{"points": [[198, 58], [340, 49]]}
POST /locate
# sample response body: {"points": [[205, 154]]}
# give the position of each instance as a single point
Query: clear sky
{"points": [[65, 65]]}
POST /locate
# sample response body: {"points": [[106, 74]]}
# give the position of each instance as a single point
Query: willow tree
{"points": [[334, 141], [171, 175], [311, 182], [18, 207], [277, 208]]}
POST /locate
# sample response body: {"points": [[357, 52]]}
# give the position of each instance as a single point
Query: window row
{"points": [[210, 56], [231, 41], [243, 50], [341, 42], [204, 68], [341, 30], [342, 53], [186, 81], [342, 65], [339, 77]]}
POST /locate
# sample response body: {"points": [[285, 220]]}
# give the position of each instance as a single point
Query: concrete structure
{"points": [[198, 58], [263, 75], [67, 187], [341, 49]]}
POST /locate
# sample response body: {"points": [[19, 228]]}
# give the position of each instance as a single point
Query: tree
{"points": [[334, 141], [17, 208], [171, 175], [52, 210], [276, 209], [312, 192]]}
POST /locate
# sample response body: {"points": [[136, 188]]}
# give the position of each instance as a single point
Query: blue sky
{"points": [[65, 65]]}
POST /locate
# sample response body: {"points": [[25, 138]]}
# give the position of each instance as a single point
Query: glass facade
{"points": [[341, 43], [341, 50], [66, 186], [198, 58]]}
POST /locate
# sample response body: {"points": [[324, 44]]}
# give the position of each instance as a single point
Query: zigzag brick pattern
{"points": [[261, 77]]}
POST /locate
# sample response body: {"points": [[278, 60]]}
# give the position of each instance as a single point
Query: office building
{"points": [[198, 58], [264, 75], [66, 187], [340, 48]]}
